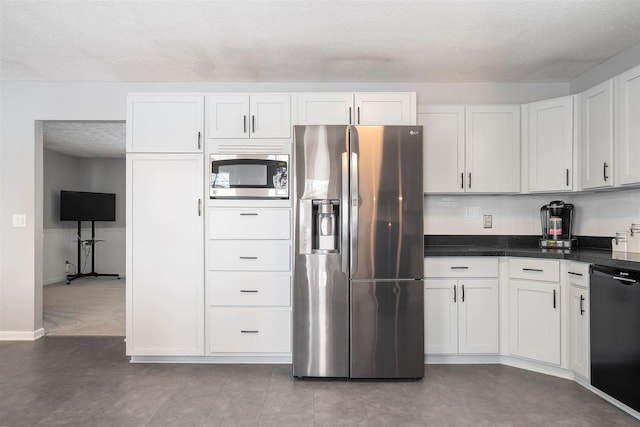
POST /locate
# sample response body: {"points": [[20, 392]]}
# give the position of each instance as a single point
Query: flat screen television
{"points": [[84, 206]]}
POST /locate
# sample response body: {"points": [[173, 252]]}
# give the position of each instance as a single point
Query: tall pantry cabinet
{"points": [[165, 226]]}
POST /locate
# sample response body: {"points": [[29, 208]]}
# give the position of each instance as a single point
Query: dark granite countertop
{"points": [[590, 250]]}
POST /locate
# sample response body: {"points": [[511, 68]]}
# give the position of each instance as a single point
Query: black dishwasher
{"points": [[615, 333]]}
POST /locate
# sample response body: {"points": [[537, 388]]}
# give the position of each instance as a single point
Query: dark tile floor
{"points": [[87, 381]]}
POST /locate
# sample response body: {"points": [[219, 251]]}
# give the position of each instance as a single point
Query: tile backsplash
{"points": [[596, 213]]}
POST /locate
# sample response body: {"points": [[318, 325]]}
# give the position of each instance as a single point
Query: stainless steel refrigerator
{"points": [[359, 258]]}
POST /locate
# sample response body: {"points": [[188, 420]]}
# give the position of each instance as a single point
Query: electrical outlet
{"points": [[487, 221], [67, 266]]}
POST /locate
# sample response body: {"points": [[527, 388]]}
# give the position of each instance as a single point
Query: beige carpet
{"points": [[88, 306]]}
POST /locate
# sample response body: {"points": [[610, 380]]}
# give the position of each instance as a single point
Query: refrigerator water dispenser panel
{"points": [[326, 216]]}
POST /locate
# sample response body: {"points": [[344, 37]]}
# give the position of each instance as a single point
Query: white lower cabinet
{"points": [[577, 277], [461, 314], [165, 262], [249, 331], [534, 318]]}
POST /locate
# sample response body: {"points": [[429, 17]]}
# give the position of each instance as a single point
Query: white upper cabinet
{"points": [[165, 123], [492, 149], [628, 127], [345, 108], [597, 136], [443, 150], [248, 116], [550, 153]]}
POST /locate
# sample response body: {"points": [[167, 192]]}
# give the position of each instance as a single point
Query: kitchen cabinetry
{"points": [[249, 281], [487, 160], [577, 277], [534, 309], [340, 108], [597, 136], [461, 306], [627, 132], [165, 262], [248, 116], [550, 154], [165, 123]]}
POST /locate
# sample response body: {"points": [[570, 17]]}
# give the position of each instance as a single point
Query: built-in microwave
{"points": [[249, 176]]}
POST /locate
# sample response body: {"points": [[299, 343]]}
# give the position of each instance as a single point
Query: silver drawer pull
{"points": [[575, 274], [248, 257], [249, 291], [249, 331], [624, 279], [459, 268], [248, 214], [537, 270]]}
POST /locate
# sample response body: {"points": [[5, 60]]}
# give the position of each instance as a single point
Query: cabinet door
{"points": [[535, 320], [597, 136], [551, 144], [440, 316], [385, 108], [443, 142], [325, 108], [478, 316], [492, 148], [165, 266], [579, 360], [270, 116], [628, 127], [228, 116], [165, 123]]}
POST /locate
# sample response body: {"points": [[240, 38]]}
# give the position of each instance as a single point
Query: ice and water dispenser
{"points": [[325, 225]]}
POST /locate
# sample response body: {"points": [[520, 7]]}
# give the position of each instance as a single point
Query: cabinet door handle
{"points": [[253, 124], [358, 122], [581, 301], [574, 274], [604, 171], [249, 331], [554, 298], [249, 291], [462, 180], [567, 177], [462, 293], [199, 207], [199, 141], [248, 257], [459, 268], [469, 183], [350, 119], [244, 124], [455, 293], [248, 214], [537, 270]]}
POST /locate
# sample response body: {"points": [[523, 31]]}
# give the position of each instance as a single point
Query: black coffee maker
{"points": [[557, 225]]}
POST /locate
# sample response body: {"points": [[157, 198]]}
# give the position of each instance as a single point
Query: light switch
{"points": [[19, 220], [488, 221]]}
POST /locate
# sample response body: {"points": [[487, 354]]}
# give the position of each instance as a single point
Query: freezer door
{"points": [[386, 200], [387, 329]]}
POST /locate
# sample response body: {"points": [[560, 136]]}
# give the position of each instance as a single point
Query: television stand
{"points": [[91, 242]]}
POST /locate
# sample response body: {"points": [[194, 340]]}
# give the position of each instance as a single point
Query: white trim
{"points": [[282, 359], [21, 335], [610, 399]]}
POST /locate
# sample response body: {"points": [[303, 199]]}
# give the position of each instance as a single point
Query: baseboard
{"points": [[276, 359], [21, 335], [54, 280]]}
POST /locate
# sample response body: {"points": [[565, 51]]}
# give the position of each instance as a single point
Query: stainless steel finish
{"points": [[358, 122], [199, 207], [248, 213], [624, 279], [455, 293], [567, 177], [253, 124], [604, 171], [244, 124], [321, 280], [249, 291], [250, 193], [469, 180], [248, 257], [386, 329], [358, 311], [350, 116], [254, 331]]}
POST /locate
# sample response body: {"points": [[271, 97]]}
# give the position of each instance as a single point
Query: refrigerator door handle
{"points": [[354, 213], [344, 214]]}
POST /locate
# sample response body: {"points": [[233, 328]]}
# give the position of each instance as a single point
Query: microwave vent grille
{"points": [[235, 148]]}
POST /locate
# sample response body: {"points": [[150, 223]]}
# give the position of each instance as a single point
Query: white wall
{"points": [[596, 213]]}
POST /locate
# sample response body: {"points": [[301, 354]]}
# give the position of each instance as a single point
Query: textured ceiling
{"points": [[85, 139], [312, 41]]}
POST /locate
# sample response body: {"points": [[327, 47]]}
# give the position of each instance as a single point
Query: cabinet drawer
{"points": [[249, 331], [461, 267], [534, 269], [577, 274], [249, 255], [246, 289], [250, 223]]}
